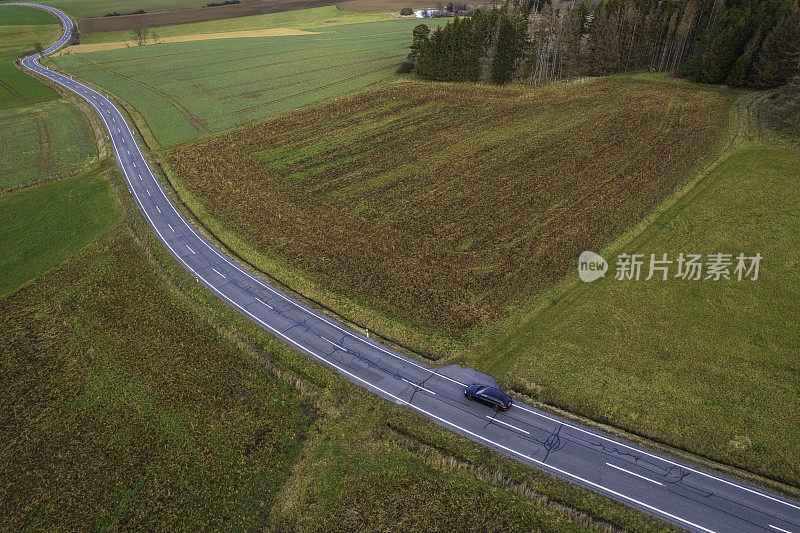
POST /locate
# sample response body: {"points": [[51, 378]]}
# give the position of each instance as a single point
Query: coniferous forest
{"points": [[742, 43]]}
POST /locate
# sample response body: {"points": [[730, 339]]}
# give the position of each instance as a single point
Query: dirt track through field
{"points": [[46, 160], [15, 93]]}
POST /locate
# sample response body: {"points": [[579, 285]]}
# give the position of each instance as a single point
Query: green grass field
{"points": [[20, 28], [314, 19], [24, 16], [42, 140], [39, 137], [194, 88], [706, 366], [42, 226], [94, 8]]}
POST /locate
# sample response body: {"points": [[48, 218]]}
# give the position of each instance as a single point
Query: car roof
{"points": [[494, 393]]}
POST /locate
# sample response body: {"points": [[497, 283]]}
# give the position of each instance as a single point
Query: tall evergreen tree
{"points": [[505, 52]]}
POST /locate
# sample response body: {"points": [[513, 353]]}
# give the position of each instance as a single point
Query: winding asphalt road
{"points": [[684, 495]]}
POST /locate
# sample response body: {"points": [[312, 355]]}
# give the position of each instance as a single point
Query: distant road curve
{"points": [[684, 495]]}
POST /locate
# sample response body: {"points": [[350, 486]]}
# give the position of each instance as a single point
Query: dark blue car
{"points": [[488, 395]]}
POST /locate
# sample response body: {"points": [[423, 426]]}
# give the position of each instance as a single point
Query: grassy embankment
{"points": [[194, 88], [706, 367], [40, 136]]}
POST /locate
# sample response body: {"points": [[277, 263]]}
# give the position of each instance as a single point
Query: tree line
{"points": [[743, 43]]}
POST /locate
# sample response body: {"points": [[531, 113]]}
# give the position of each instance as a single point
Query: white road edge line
{"points": [[278, 293], [635, 474], [507, 424], [418, 386], [780, 529]]}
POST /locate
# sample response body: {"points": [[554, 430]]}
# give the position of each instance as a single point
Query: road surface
{"points": [[684, 495]]}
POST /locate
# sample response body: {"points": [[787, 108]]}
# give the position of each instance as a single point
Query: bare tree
{"points": [[139, 36], [38, 48], [156, 38]]}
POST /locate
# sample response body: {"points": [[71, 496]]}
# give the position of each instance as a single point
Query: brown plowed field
{"points": [[198, 14], [445, 203]]}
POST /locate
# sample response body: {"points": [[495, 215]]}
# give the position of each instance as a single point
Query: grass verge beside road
{"points": [[137, 399]]}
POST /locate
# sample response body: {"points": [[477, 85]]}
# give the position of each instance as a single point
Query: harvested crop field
{"points": [[199, 14], [450, 203]]}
